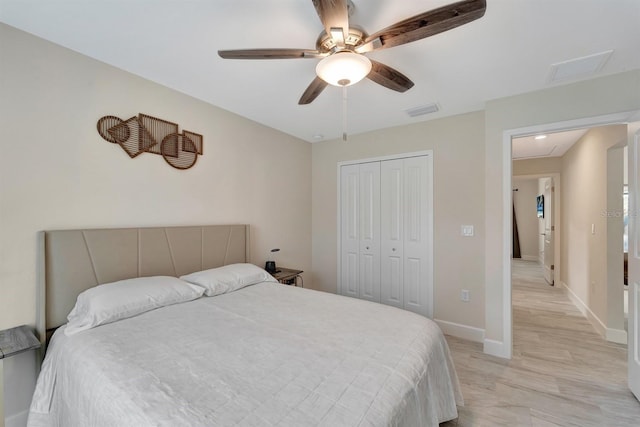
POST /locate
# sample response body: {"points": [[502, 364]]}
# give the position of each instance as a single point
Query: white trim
{"points": [[507, 135], [383, 158], [339, 230], [493, 347], [461, 331], [585, 310], [431, 230], [497, 348], [614, 335], [2, 392], [530, 258], [618, 336]]}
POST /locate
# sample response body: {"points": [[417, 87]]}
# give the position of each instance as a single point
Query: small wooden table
{"points": [[288, 276], [14, 341]]}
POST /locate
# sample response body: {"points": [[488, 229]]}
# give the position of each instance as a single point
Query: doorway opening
{"points": [[536, 205], [582, 249], [506, 346]]}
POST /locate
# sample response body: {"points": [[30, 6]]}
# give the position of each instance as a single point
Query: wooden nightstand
{"points": [[14, 341], [289, 276]]}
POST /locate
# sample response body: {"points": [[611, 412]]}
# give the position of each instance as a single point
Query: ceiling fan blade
{"points": [[389, 77], [334, 14], [270, 54], [315, 88], [429, 23]]}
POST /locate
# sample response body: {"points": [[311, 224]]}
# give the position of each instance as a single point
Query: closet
{"points": [[386, 231]]}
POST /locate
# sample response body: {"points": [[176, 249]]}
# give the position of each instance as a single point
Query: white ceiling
{"points": [[509, 51], [553, 145]]}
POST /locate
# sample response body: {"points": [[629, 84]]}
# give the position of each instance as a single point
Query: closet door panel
{"points": [[386, 232], [369, 278], [393, 289], [412, 285], [349, 230], [391, 233], [418, 267], [369, 193]]}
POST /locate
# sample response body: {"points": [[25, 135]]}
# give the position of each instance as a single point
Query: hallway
{"points": [[562, 372]]}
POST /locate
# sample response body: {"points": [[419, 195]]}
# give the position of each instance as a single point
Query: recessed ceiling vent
{"points": [[578, 67], [422, 110]]}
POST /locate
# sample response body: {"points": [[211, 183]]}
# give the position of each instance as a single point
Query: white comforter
{"points": [[266, 355]]}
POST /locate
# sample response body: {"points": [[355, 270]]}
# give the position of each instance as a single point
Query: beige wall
{"points": [[547, 165], [615, 241], [458, 154], [57, 172], [592, 98], [587, 173]]}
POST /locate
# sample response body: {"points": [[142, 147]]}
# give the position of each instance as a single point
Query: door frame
{"points": [[633, 345], [505, 349], [428, 153]]}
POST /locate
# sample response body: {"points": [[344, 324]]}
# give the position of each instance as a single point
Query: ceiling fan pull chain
{"points": [[344, 113]]}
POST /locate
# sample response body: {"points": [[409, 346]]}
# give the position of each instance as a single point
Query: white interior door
{"points": [[369, 245], [392, 233], [386, 232], [633, 335], [418, 235], [549, 231], [349, 230]]}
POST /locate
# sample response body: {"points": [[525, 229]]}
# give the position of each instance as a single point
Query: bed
{"points": [[258, 354]]}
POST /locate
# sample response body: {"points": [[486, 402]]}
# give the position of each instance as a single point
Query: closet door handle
{"points": [[393, 249], [367, 248]]}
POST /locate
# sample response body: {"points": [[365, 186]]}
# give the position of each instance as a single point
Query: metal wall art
{"points": [[146, 134]]}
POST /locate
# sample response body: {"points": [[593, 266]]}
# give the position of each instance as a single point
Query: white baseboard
{"points": [[17, 420], [616, 335], [530, 258], [586, 311], [496, 348], [491, 347], [461, 331]]}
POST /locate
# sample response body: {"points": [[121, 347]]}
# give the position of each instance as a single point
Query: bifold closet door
{"points": [[406, 218], [360, 230], [392, 233]]}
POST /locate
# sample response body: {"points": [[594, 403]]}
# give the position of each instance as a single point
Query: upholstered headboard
{"points": [[72, 261]]}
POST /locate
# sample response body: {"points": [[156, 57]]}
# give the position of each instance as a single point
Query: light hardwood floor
{"points": [[562, 372]]}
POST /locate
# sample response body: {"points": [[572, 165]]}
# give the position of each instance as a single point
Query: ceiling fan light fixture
{"points": [[343, 68]]}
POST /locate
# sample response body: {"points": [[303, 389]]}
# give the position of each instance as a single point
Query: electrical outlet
{"points": [[465, 295]]}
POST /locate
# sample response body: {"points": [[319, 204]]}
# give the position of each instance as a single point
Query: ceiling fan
{"points": [[342, 46]]}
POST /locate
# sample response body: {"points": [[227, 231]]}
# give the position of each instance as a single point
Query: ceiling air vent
{"points": [[578, 67], [421, 111]]}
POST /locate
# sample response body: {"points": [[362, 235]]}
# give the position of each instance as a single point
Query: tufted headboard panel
{"points": [[72, 261]]}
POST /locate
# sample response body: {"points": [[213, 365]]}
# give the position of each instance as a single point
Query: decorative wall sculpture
{"points": [[146, 134]]}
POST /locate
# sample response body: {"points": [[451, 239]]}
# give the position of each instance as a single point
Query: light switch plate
{"points": [[467, 230]]}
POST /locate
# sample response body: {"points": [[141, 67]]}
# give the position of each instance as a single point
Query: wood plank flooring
{"points": [[562, 372]]}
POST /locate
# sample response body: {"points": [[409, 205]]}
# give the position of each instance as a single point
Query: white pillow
{"points": [[126, 298], [229, 278]]}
